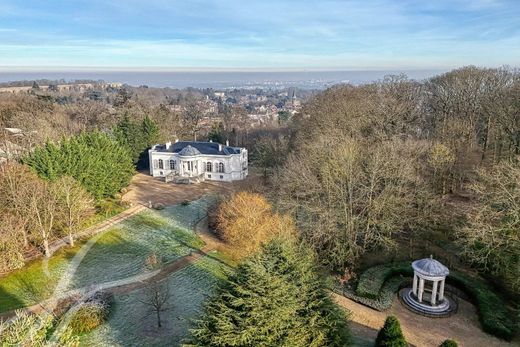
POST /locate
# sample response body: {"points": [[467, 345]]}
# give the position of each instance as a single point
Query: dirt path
{"points": [[420, 331]]}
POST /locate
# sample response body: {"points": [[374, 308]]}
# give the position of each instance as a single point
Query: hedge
{"points": [[385, 298], [375, 284]]}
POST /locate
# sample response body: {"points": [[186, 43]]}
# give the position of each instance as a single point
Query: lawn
{"points": [[35, 282], [120, 252], [131, 323]]}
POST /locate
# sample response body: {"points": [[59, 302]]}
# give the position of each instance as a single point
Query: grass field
{"points": [[120, 252], [132, 323]]}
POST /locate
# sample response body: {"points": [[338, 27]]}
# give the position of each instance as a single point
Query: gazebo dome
{"points": [[430, 267], [189, 151]]}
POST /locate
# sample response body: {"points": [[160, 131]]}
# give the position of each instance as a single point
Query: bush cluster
{"points": [[88, 317], [385, 298], [372, 280]]}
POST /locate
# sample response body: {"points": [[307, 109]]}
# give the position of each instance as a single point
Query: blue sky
{"points": [[267, 34]]}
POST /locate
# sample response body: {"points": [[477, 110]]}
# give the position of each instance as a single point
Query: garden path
{"points": [[463, 327]]}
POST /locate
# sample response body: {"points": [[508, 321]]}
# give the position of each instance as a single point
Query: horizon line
{"points": [[4, 69]]}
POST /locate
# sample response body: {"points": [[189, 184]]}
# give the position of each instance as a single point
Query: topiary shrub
{"points": [[89, 316], [448, 343], [391, 334]]}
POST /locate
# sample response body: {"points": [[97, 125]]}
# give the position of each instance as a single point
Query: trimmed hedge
{"points": [[494, 316], [372, 280], [386, 296]]}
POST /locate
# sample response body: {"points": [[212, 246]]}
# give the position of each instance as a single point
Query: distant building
{"points": [[191, 161]]}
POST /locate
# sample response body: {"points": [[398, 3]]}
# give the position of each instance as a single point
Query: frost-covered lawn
{"points": [[122, 251], [119, 253], [131, 323]]}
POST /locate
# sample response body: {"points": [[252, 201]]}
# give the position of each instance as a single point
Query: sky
{"points": [[258, 35]]}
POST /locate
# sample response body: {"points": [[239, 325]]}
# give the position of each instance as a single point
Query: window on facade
{"points": [[172, 164], [209, 167], [161, 164], [221, 167]]}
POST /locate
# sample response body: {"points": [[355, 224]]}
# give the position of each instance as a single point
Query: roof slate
{"points": [[211, 148]]}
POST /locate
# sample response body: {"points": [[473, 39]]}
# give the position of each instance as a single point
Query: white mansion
{"points": [[189, 161]]}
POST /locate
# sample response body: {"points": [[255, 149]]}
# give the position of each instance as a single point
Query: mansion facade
{"points": [[193, 161]]}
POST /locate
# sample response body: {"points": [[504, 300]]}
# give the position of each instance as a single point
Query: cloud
{"points": [[268, 33]]}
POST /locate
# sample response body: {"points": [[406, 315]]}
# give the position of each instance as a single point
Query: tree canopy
{"points": [[99, 163]]}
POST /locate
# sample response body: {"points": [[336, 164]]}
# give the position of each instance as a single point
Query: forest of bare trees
{"points": [[400, 165]]}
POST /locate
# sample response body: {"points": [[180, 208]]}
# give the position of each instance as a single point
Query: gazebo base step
{"points": [[443, 309]]}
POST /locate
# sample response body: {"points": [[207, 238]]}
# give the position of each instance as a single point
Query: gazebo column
{"points": [[441, 291], [421, 289], [414, 284], [434, 292]]}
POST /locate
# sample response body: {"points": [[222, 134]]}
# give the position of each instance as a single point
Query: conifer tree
{"points": [[275, 298], [391, 335], [100, 164]]}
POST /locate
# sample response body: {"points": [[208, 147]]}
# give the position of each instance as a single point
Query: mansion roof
{"points": [[190, 148]]}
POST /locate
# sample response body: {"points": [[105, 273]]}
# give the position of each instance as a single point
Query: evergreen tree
{"points": [[136, 137], [275, 298], [101, 165], [391, 335]]}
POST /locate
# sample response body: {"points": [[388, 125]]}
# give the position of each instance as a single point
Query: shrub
{"points": [[385, 298], [371, 281], [89, 316], [185, 203], [448, 343], [246, 221], [391, 335]]}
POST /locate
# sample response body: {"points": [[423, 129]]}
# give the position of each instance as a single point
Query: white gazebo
{"points": [[427, 292], [429, 269]]}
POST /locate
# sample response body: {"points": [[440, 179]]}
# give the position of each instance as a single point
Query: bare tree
{"points": [[156, 296], [15, 186], [76, 204], [192, 116], [43, 211]]}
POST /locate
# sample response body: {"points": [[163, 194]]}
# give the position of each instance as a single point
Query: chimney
{"points": [[227, 143], [210, 140], [168, 145], [219, 147], [176, 140]]}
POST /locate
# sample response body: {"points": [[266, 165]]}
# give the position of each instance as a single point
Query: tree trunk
{"points": [[71, 240], [46, 248], [159, 319]]}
